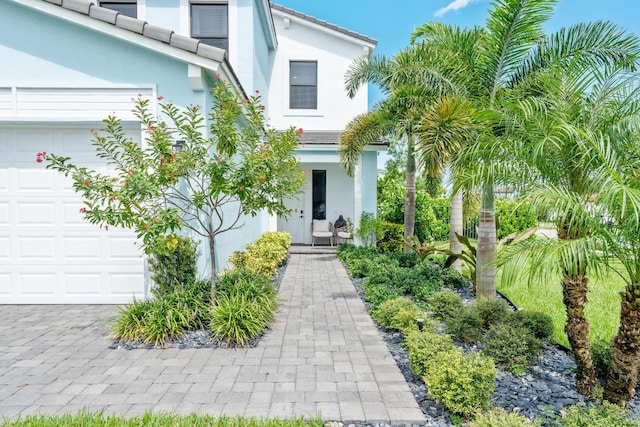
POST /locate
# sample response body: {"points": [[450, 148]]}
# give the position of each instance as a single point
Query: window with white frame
{"points": [[128, 8], [210, 24], [303, 85]]}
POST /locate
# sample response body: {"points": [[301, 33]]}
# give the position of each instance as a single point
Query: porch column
{"points": [[357, 199]]}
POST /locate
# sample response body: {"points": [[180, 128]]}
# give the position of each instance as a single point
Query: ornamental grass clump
{"points": [[245, 305]]}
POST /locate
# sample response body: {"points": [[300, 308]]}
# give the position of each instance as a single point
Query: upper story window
{"points": [[303, 85], [210, 24], [128, 7]]}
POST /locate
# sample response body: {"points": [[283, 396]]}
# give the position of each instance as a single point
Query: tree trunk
{"points": [[212, 255], [486, 252], [455, 226], [410, 197], [622, 377], [574, 292]]}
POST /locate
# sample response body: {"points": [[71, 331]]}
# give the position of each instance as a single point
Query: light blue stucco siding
{"points": [[41, 50], [163, 13], [369, 181]]}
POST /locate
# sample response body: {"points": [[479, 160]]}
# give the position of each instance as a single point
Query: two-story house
{"points": [[67, 64]]}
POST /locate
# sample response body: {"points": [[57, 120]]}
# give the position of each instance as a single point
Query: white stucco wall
{"points": [[300, 41]]}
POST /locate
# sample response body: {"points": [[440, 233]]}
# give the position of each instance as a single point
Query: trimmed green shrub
{"points": [[463, 383], [540, 324], [176, 267], [400, 314], [491, 311], [156, 320], [513, 347], [498, 417], [465, 326], [445, 304], [263, 256], [376, 294], [363, 267], [423, 348], [600, 415]]}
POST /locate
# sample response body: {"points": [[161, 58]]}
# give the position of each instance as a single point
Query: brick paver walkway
{"points": [[323, 355]]}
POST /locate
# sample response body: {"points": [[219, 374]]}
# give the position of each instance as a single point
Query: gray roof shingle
{"points": [[141, 27], [324, 24]]}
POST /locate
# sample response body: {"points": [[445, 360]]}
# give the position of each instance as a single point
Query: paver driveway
{"points": [[323, 355]]}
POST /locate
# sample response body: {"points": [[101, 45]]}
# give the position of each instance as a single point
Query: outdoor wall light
{"points": [[420, 323], [177, 146]]}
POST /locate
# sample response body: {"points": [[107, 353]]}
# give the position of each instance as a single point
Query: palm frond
{"points": [[361, 131], [514, 27], [365, 70]]}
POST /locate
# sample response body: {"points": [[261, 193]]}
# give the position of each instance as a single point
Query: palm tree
{"points": [[409, 80], [556, 117], [445, 127], [512, 46]]}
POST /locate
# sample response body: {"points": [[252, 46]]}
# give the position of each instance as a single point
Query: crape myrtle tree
{"points": [[238, 166]]}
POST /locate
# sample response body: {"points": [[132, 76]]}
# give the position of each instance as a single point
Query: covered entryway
{"points": [[48, 253]]}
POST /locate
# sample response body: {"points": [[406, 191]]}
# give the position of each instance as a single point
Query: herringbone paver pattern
{"points": [[323, 355]]}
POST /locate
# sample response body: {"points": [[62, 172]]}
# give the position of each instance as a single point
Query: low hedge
{"points": [[263, 256]]}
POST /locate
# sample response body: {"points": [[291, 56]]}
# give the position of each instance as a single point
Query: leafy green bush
{"points": [[263, 256], [540, 324], [601, 356], [363, 267], [390, 236], [604, 415], [513, 217], [176, 267], [370, 229], [498, 417], [463, 383], [491, 311], [454, 280], [156, 320], [399, 314], [405, 259], [513, 347], [376, 294], [465, 326], [423, 347], [245, 282], [348, 252], [445, 304]]}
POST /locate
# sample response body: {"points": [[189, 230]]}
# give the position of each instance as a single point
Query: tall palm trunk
{"points": [[574, 297], [410, 197], [485, 270], [622, 377], [455, 225]]}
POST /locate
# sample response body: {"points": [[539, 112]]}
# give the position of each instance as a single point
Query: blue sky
{"points": [[391, 22]]}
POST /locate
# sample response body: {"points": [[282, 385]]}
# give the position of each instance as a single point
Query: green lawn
{"points": [[603, 308], [87, 419]]}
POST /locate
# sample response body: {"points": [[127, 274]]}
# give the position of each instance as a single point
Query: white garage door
{"points": [[48, 253]]}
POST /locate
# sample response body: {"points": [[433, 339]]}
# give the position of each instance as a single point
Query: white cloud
{"points": [[454, 5]]}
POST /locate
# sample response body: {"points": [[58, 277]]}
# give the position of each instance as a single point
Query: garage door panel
{"points": [[36, 214], [5, 285], [37, 248], [48, 252], [82, 248], [127, 284], [38, 284], [82, 284], [34, 180]]}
